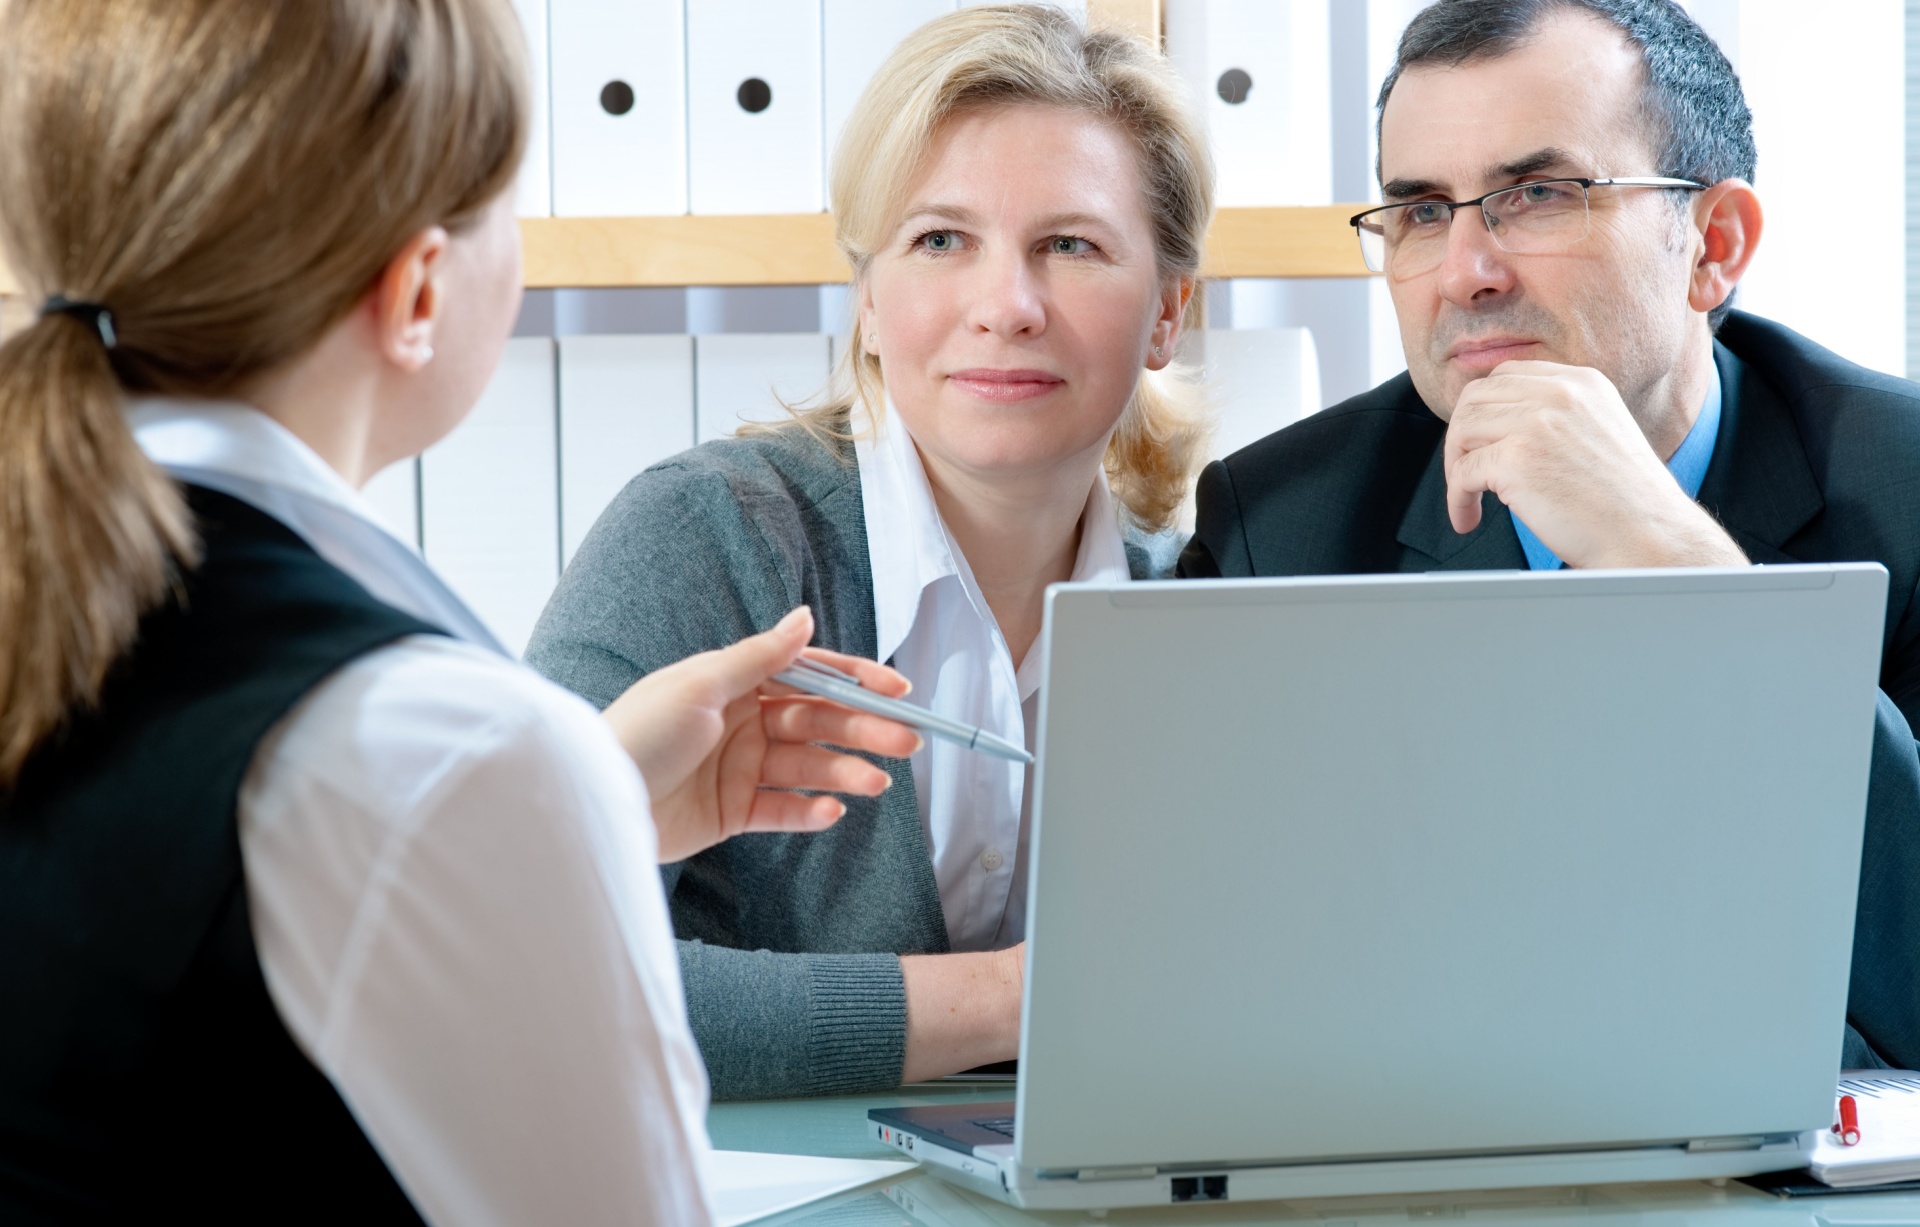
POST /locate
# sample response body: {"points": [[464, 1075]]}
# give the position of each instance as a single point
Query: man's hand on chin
{"points": [[1559, 447]]}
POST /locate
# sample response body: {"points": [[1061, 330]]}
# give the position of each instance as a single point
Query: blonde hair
{"points": [[228, 178], [1033, 54]]}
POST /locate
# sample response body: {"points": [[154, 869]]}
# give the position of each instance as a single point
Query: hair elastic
{"points": [[91, 312]]}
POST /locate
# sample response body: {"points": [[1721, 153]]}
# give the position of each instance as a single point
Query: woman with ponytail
{"points": [[1023, 204], [314, 905]]}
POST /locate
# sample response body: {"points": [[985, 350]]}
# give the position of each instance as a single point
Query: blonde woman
{"points": [[1023, 205], [313, 905]]}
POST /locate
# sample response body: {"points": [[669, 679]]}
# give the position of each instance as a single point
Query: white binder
{"points": [[534, 191], [619, 98], [753, 106], [394, 494], [745, 377], [490, 506], [1261, 380], [625, 403], [859, 35], [1259, 70]]}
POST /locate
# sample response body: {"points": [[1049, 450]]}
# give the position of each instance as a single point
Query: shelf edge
{"points": [[797, 249]]}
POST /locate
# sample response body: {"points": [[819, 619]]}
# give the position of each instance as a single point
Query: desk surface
{"points": [[837, 1126]]}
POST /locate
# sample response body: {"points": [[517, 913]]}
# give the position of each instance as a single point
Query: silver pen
{"points": [[830, 683]]}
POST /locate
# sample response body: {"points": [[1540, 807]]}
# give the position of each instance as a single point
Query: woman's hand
{"points": [[719, 743]]}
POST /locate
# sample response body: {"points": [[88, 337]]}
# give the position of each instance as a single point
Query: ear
{"points": [[1729, 220], [407, 301], [1174, 298], [869, 317]]}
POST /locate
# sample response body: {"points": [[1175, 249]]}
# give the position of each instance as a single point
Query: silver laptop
{"points": [[1419, 883]]}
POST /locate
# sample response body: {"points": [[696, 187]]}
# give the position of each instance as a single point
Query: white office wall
{"points": [[745, 377], [625, 403], [1829, 120], [489, 498]]}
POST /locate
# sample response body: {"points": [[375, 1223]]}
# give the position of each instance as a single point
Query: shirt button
{"points": [[991, 859]]}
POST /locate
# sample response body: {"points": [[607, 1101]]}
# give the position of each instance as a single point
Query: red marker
{"points": [[1849, 1126]]}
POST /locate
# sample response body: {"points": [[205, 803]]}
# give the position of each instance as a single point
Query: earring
{"points": [[426, 354], [1157, 352]]}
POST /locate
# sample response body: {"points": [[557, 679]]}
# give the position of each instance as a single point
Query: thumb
{"points": [[746, 665]]}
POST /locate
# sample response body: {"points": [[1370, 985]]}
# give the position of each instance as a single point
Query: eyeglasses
{"points": [[1534, 219]]}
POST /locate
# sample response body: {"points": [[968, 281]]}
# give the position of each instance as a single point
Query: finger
{"points": [[798, 719], [749, 664], [1468, 477], [875, 677], [1483, 416], [817, 769], [790, 812]]}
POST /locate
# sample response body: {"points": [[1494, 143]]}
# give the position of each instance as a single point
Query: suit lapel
{"points": [[1759, 485], [1493, 546]]}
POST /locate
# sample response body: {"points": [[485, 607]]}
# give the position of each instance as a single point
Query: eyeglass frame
{"points": [[1478, 202]]}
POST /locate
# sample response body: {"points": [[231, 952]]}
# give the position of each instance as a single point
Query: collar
{"points": [[240, 451], [1688, 464], [908, 544]]}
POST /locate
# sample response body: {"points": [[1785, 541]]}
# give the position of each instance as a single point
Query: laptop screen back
{"points": [[1392, 866]]}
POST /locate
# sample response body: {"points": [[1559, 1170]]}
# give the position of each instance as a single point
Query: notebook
{"points": [[747, 1186], [1888, 1151]]}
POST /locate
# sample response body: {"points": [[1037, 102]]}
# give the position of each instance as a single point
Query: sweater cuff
{"points": [[856, 1023]]}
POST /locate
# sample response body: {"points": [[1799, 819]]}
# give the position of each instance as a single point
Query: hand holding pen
{"points": [[814, 676], [725, 750]]}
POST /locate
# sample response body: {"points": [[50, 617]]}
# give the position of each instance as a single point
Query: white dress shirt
{"points": [[455, 893], [937, 628]]}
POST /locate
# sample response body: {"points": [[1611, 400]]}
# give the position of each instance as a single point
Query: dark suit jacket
{"points": [[1818, 460]]}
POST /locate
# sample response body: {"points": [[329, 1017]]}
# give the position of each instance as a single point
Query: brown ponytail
{"points": [[228, 177]]}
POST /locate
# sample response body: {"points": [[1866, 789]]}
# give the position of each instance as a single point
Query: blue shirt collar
{"points": [[1688, 466]]}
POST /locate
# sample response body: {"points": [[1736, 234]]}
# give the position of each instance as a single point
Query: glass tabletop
{"points": [[837, 1126]]}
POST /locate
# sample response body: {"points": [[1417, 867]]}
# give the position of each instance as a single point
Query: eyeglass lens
{"points": [[1531, 219]]}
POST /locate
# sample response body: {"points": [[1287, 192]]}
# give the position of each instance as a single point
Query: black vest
{"points": [[143, 1068]]}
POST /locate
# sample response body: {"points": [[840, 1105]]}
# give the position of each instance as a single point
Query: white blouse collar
{"points": [[908, 544], [241, 452]]}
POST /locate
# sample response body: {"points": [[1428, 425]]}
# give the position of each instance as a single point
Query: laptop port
{"points": [[1186, 1188], [1213, 1188]]}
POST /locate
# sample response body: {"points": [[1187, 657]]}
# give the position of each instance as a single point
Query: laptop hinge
{"points": [[1698, 1145], [1146, 1171]]}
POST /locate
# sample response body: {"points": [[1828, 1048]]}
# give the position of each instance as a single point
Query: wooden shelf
{"points": [[797, 249], [580, 252]]}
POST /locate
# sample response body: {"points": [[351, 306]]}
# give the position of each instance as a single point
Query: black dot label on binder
{"points": [[1234, 86], [616, 98], [754, 95]]}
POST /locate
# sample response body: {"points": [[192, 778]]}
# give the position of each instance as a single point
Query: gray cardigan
{"points": [[788, 942]]}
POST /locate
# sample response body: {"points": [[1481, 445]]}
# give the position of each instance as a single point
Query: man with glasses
{"points": [[1568, 208]]}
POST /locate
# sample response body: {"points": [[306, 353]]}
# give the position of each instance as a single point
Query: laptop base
{"points": [[990, 1168]]}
